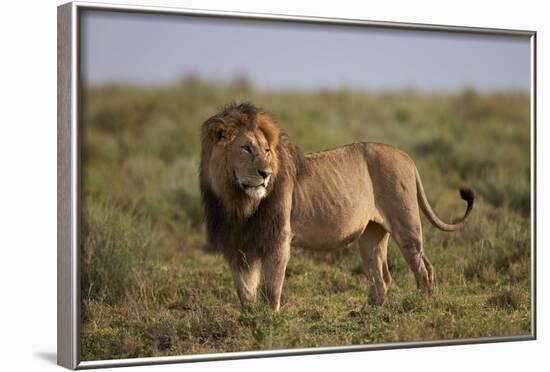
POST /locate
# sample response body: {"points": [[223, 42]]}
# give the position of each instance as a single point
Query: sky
{"points": [[159, 49]]}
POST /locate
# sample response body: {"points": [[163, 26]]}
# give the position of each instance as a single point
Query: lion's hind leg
{"points": [[373, 246], [408, 236]]}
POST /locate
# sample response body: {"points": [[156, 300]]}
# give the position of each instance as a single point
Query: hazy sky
{"points": [[161, 49]]}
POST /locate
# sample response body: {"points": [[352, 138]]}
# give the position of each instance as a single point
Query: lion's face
{"points": [[243, 155], [250, 158]]}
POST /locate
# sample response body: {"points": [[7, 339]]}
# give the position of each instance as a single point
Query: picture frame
{"points": [[69, 184]]}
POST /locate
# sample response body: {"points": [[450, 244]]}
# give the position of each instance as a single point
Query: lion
{"points": [[261, 195]]}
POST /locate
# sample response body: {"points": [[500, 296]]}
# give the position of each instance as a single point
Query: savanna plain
{"points": [[151, 287]]}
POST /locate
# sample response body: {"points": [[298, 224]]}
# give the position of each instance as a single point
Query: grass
{"points": [[151, 288]]}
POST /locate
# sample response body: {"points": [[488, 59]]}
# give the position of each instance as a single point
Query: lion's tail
{"points": [[465, 193]]}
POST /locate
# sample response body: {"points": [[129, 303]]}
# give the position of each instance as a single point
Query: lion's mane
{"points": [[242, 239]]}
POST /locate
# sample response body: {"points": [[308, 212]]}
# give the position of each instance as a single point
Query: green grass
{"points": [[150, 287]]}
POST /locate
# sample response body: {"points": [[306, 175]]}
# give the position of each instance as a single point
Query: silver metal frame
{"points": [[68, 186]]}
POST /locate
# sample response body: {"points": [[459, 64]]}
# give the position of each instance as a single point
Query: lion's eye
{"points": [[267, 151], [247, 149]]}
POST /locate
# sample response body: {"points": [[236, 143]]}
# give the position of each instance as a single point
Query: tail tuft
{"points": [[468, 195]]}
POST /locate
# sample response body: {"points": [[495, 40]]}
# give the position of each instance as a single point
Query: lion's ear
{"points": [[218, 131]]}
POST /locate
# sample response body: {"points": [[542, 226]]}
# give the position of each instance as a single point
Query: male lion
{"points": [[261, 194]]}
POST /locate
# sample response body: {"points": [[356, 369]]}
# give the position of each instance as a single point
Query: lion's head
{"points": [[239, 157]]}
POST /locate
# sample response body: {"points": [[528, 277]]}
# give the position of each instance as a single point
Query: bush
{"points": [[114, 245], [508, 298]]}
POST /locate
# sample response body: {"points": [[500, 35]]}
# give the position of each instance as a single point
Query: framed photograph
{"points": [[238, 185]]}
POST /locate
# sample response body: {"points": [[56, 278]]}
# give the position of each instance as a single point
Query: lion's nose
{"points": [[264, 173]]}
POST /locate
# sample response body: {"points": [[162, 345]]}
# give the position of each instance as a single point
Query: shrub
{"points": [[508, 298], [114, 245]]}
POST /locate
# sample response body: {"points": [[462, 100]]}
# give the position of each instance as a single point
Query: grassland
{"points": [[150, 287]]}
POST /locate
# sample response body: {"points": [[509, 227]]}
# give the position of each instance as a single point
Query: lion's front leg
{"points": [[246, 276], [273, 271]]}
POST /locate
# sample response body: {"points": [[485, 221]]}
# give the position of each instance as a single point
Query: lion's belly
{"points": [[326, 238], [332, 211]]}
